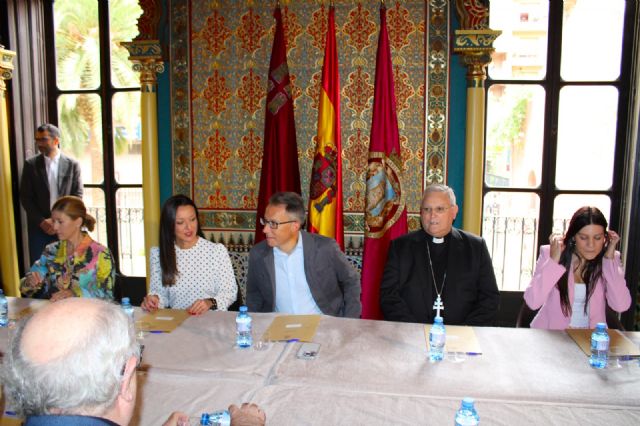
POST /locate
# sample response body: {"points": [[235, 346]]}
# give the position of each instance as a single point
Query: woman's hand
{"points": [[614, 239], [61, 294], [150, 303], [200, 306], [556, 243], [33, 279]]}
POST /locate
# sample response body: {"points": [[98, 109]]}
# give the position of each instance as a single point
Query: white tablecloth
{"points": [[378, 373]]}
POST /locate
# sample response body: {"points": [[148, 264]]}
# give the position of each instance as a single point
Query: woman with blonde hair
{"points": [[75, 265]]}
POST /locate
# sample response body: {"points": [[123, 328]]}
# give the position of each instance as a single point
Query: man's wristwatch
{"points": [[214, 304]]}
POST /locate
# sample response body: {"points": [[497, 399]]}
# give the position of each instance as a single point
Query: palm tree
{"points": [[77, 40]]}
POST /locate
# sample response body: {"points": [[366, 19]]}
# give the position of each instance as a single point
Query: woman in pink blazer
{"points": [[577, 275]]}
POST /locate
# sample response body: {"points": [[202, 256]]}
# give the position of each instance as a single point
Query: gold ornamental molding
{"points": [[6, 66], [475, 48], [146, 56]]}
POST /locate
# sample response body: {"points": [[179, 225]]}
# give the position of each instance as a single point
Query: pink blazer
{"points": [[542, 292]]}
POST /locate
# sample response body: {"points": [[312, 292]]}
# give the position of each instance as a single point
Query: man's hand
{"points": [[247, 415], [177, 419], [47, 226]]}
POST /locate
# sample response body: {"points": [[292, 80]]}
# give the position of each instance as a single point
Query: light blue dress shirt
{"points": [[293, 295]]}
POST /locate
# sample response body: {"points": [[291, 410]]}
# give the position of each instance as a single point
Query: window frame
{"points": [[105, 91], [552, 83]]}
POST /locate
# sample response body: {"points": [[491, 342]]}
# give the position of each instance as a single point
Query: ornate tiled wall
{"points": [[219, 56]]}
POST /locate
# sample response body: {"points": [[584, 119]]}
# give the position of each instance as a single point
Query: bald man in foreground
{"points": [[74, 363]]}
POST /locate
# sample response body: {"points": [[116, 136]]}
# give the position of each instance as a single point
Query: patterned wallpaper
{"points": [[220, 53]]}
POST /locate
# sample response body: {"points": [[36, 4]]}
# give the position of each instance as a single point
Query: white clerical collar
{"points": [[437, 240]]}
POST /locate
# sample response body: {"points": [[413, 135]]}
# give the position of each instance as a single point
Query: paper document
{"points": [[460, 338], [165, 320], [293, 327], [619, 344]]}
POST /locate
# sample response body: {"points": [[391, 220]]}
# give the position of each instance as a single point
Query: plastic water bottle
{"points": [[599, 346], [243, 329], [4, 310], [467, 414], [217, 418], [437, 339], [127, 308]]}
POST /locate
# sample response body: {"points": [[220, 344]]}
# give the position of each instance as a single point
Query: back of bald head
{"points": [[68, 358], [58, 328]]}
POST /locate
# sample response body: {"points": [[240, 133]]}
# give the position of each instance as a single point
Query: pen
{"points": [[474, 353], [156, 331], [293, 340]]}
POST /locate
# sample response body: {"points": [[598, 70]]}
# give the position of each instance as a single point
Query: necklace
{"points": [[437, 305]]}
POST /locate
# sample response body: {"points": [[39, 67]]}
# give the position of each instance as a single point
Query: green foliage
{"points": [[77, 44], [508, 131]]}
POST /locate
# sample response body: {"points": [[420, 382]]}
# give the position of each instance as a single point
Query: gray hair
{"points": [[439, 187], [85, 380], [293, 204]]}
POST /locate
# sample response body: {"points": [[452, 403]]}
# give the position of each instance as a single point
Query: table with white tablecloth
{"points": [[378, 373]]}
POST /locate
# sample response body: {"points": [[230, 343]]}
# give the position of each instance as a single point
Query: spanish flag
{"points": [[325, 194]]}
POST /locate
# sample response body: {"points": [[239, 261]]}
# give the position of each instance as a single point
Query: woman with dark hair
{"points": [[578, 275], [75, 265], [188, 271]]}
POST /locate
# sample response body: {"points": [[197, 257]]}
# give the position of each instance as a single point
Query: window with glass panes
{"points": [[554, 124], [96, 97]]}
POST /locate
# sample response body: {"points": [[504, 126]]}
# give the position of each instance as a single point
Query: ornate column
{"points": [[146, 56], [474, 42], [8, 249]]}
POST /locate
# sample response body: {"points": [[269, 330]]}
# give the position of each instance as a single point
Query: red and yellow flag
{"points": [[385, 211], [325, 194], [280, 170]]}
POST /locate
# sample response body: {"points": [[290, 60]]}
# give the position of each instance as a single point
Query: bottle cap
{"points": [[125, 300], [467, 402], [243, 308], [437, 320]]}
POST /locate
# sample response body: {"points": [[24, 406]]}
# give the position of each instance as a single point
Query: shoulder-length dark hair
{"points": [[593, 269], [168, 236]]}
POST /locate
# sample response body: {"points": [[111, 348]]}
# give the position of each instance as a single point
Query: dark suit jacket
{"points": [[34, 186], [470, 294], [334, 283]]}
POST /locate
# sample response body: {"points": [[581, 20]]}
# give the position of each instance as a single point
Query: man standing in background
{"points": [[46, 177]]}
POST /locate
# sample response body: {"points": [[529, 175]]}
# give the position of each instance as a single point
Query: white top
{"points": [[52, 165], [204, 271], [578, 318]]}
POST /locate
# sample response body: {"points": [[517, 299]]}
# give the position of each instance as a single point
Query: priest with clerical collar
{"points": [[439, 269]]}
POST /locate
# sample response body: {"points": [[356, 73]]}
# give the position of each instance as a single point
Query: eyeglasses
{"points": [[439, 209], [44, 139], [273, 224]]}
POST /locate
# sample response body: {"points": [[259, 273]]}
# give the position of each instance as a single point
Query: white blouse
{"points": [[204, 271], [578, 318]]}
